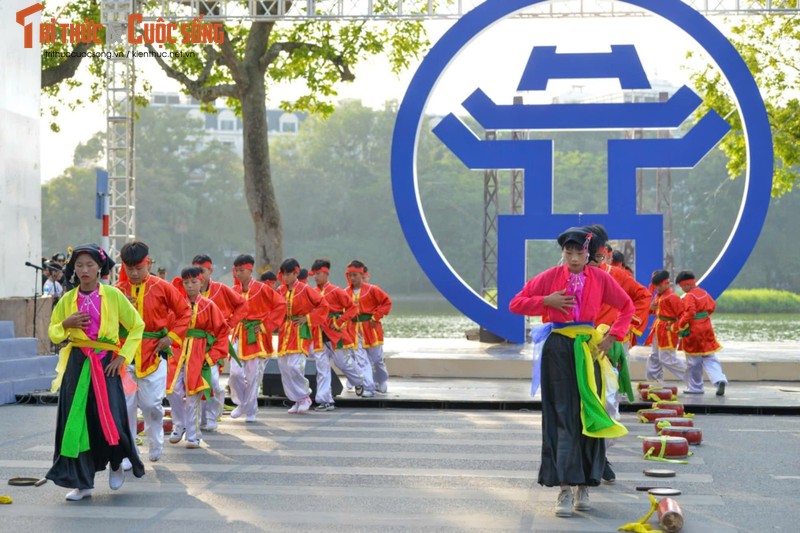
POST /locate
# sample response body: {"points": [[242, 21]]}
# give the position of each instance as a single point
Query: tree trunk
{"points": [[258, 187]]}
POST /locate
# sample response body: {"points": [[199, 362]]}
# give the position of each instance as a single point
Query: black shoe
{"points": [[721, 388], [608, 475], [359, 390]]}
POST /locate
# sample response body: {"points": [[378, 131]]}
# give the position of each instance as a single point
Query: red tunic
{"points": [[599, 288], [370, 300], [265, 305], [669, 309], [701, 339], [161, 306], [301, 301], [638, 293], [335, 327], [206, 316], [229, 301]]}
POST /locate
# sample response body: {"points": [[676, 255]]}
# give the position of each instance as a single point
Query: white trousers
{"points": [[293, 379], [323, 360], [244, 381], [372, 359], [345, 361], [149, 398], [185, 408], [661, 358], [210, 409], [709, 363]]}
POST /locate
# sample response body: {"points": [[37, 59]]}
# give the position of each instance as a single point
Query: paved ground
{"points": [[363, 469]]}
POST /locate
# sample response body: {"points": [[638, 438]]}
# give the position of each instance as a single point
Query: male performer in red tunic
{"points": [[698, 340], [189, 374], [166, 318], [366, 330], [265, 311], [233, 308], [330, 338], [305, 309], [667, 307]]}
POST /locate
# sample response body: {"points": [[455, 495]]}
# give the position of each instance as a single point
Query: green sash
{"points": [[305, 330], [699, 316], [252, 326]]}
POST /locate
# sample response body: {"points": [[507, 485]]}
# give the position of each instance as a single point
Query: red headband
{"points": [[204, 264], [246, 266], [143, 262], [354, 269], [320, 269], [280, 274], [686, 283]]}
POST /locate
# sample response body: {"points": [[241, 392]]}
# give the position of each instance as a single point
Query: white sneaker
{"points": [[367, 394], [154, 455], [381, 387], [76, 495], [304, 405], [237, 412], [582, 498], [192, 444], [126, 465], [210, 426], [177, 434], [325, 406], [293, 409], [116, 478], [250, 419], [564, 503]]}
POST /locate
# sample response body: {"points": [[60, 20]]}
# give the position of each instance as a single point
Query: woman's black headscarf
{"points": [[98, 254]]}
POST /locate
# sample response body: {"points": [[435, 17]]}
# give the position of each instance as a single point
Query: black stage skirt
{"points": [[568, 456], [78, 473]]}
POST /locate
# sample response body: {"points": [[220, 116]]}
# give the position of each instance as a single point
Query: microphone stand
{"points": [[36, 270]]}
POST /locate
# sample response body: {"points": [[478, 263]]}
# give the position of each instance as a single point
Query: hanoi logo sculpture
{"points": [[535, 156]]}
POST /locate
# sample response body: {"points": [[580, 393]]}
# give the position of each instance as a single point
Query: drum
{"points": [[672, 446], [680, 422], [670, 515], [668, 404], [657, 394], [692, 435], [649, 415]]}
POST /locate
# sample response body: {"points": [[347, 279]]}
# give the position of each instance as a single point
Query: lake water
{"points": [[436, 318]]}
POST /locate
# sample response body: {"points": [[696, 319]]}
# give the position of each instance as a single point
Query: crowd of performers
{"points": [[132, 344], [592, 311]]}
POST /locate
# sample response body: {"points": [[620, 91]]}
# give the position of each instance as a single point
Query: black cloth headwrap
{"points": [[683, 276], [659, 276], [98, 254], [599, 234], [576, 235]]}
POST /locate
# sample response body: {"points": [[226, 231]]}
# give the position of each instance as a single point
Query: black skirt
{"points": [[568, 456], [78, 473]]}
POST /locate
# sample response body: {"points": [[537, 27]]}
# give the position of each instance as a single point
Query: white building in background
{"points": [[20, 171], [224, 125]]}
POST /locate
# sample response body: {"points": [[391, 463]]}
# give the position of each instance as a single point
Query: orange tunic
{"points": [[667, 313], [639, 295], [370, 300], [161, 306], [264, 305], [701, 339], [207, 317], [230, 302], [341, 311], [301, 301]]}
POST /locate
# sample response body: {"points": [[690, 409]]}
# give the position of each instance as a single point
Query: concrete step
{"points": [[16, 348], [6, 329], [9, 389], [29, 366]]}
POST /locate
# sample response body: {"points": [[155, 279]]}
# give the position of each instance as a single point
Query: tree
{"points": [[770, 46], [248, 60]]}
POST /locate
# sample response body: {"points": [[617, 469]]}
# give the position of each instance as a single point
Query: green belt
{"points": [[251, 326], [202, 334], [305, 330], [232, 353], [160, 334], [334, 315], [698, 316], [666, 319], [363, 317], [205, 372]]}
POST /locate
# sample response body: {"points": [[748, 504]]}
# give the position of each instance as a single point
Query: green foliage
{"points": [[770, 47], [758, 301]]}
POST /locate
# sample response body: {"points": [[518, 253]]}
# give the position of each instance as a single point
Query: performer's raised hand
{"points": [[76, 320]]}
